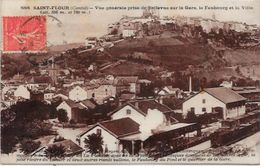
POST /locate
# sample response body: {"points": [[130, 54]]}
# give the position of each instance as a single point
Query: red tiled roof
{"points": [[88, 103], [74, 104], [144, 105], [69, 146], [121, 127], [225, 95]]}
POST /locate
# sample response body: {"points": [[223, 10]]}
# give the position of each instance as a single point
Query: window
{"points": [[203, 101], [204, 109], [93, 95], [98, 132], [192, 109], [106, 91], [128, 111]]}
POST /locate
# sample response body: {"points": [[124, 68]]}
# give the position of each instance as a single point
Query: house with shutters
{"points": [[137, 110], [137, 124], [111, 132], [76, 110], [226, 102]]}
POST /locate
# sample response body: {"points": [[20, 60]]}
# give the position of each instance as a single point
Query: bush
{"points": [[62, 115], [191, 117], [28, 146], [55, 151], [72, 122]]}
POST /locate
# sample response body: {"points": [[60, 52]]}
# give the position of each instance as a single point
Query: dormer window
{"points": [[128, 111]]}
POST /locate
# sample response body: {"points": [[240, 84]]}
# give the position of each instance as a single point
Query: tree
{"points": [[7, 117], [94, 143], [22, 121], [55, 151], [191, 117], [8, 142], [58, 139], [203, 82], [62, 115], [28, 146]]}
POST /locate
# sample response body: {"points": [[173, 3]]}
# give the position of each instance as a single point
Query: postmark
{"points": [[24, 34]]}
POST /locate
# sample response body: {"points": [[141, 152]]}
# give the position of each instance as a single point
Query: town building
{"points": [[76, 111], [22, 92], [127, 84], [73, 109], [111, 131], [227, 84], [78, 94], [48, 95], [124, 134], [90, 42], [101, 91], [224, 101], [169, 91], [137, 110], [126, 33]]}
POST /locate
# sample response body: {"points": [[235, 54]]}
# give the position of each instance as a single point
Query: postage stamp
{"points": [[24, 34]]}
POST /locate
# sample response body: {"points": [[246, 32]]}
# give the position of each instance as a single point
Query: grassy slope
{"points": [[171, 52]]}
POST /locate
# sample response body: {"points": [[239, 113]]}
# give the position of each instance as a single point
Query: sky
{"points": [[76, 27]]}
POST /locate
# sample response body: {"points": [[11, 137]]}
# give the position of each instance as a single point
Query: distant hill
{"points": [[178, 53], [64, 47], [174, 52]]}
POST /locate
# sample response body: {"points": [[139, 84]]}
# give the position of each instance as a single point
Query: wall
{"points": [[66, 107], [234, 112], [22, 91], [109, 140], [48, 96], [196, 102], [78, 94], [101, 93], [135, 115]]}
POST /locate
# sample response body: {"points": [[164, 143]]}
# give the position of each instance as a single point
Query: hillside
{"points": [[243, 56], [170, 52], [64, 47]]}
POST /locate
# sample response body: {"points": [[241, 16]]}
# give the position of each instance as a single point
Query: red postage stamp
{"points": [[24, 34]]}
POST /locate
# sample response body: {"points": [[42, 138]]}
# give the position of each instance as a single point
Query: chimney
{"points": [[136, 104], [190, 84]]}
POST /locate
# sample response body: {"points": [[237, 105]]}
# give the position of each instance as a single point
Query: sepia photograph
{"points": [[130, 82]]}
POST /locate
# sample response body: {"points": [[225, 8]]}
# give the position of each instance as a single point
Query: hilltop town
{"points": [[151, 85]]}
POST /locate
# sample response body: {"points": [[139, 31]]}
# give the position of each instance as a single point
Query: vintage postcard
{"points": [[130, 82]]}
